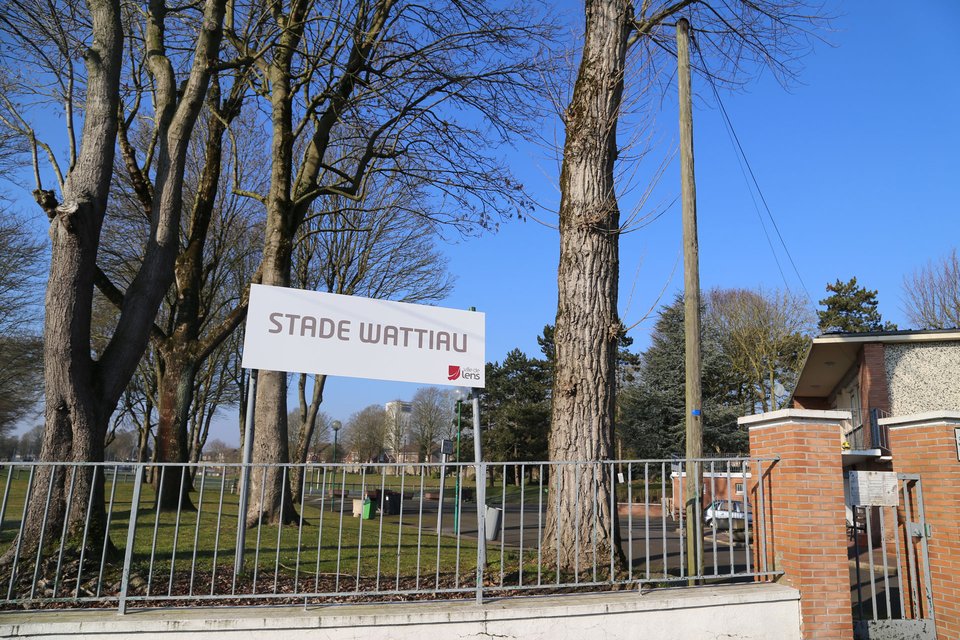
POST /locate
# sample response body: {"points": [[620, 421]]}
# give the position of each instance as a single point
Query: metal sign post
{"points": [[481, 479], [245, 473]]}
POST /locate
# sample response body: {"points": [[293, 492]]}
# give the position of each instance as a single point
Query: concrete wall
{"points": [[747, 612], [922, 376]]}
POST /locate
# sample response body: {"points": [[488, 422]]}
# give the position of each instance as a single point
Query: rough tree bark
{"points": [[182, 353], [291, 194], [81, 393], [588, 326]]}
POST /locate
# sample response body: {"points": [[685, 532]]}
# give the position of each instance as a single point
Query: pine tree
{"points": [[851, 309]]}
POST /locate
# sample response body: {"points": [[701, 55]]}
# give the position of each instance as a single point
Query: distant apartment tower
{"points": [[399, 432]]}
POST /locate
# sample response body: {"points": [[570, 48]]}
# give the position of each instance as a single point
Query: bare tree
{"points": [[21, 362], [81, 393], [765, 335], [367, 433], [424, 89], [932, 294], [432, 419], [214, 266], [588, 326], [383, 247]]}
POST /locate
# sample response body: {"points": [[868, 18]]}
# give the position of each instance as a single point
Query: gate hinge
{"points": [[919, 530]]}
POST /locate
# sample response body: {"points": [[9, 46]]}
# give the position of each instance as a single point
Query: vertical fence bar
{"points": [[663, 515], [503, 517], [256, 554], [629, 521], [86, 528], [744, 472], [646, 516], [196, 528], [43, 530], [363, 496], [870, 564], [63, 533], [540, 527], [106, 530], [216, 534], [713, 519], [383, 513], [614, 521], [886, 573], [481, 484], [343, 493], [458, 519], [576, 524], [683, 480], [856, 563], [176, 527], [910, 550], [729, 505], [523, 493], [927, 581], [283, 505], [23, 521], [156, 524], [697, 511], [763, 517], [244, 488], [323, 492], [403, 477], [131, 537], [556, 475], [423, 472]]}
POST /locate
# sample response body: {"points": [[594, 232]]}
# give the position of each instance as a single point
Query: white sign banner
{"points": [[311, 332]]}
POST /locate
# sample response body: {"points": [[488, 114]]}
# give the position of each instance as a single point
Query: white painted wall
{"points": [[746, 612]]}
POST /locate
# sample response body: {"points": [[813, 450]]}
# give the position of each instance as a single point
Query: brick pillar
{"points": [[926, 444], [804, 496]]}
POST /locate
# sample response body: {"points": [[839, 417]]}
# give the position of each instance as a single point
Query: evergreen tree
{"points": [[516, 407], [851, 308], [652, 421]]}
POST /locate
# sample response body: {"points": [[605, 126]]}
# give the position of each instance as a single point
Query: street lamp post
{"points": [[335, 425]]}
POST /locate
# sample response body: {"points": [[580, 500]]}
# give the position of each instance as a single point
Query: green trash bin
{"points": [[367, 509]]}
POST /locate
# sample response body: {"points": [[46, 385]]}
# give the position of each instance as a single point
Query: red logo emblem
{"points": [[453, 372]]}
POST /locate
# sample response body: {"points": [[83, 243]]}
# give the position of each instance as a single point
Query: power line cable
{"points": [[735, 139]]}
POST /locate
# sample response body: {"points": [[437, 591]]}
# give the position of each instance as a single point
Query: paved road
{"points": [[656, 539]]}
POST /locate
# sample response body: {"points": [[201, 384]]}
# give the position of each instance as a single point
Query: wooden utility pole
{"points": [[691, 303]]}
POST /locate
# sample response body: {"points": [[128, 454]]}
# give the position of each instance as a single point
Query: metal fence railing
{"points": [[115, 534], [864, 431]]}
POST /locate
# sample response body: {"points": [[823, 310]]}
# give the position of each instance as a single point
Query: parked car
{"points": [[727, 512]]}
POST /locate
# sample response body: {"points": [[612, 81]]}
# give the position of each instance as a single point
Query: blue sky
{"points": [[857, 161]]}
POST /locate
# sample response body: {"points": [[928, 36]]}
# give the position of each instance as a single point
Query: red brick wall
{"points": [[804, 490], [931, 451], [873, 380]]}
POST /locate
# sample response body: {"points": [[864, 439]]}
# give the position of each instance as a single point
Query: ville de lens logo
{"points": [[467, 373]]}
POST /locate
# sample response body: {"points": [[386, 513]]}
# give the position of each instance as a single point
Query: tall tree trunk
{"points": [[271, 500], [75, 418], [175, 396], [588, 326], [82, 394]]}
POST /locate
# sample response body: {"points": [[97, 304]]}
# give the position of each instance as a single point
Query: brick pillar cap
{"points": [[809, 416], [922, 419]]}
